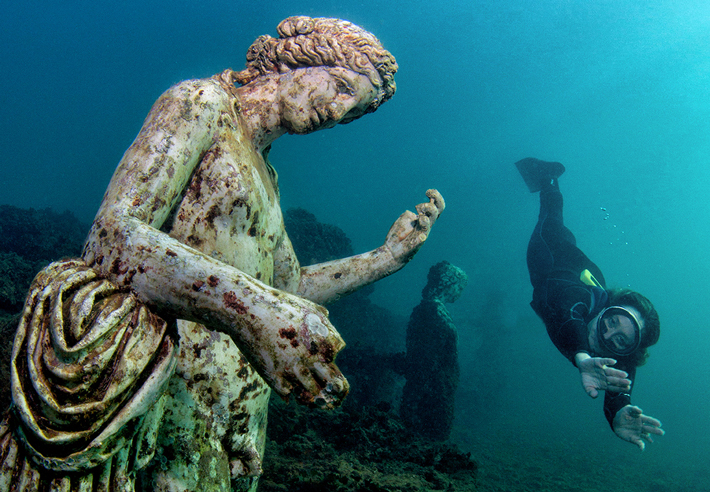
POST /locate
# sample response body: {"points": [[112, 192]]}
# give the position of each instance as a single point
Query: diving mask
{"points": [[618, 331]]}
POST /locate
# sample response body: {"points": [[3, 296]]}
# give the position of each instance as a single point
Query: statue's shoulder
{"points": [[199, 90]]}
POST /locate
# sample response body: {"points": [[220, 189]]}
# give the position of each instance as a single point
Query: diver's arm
{"points": [[570, 337], [615, 400], [571, 303], [326, 282]]}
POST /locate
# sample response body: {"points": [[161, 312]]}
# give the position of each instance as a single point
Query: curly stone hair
{"points": [[444, 282], [316, 42]]}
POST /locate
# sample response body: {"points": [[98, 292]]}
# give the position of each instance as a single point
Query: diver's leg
{"points": [[550, 238]]}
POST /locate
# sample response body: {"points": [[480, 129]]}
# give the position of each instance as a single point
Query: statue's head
{"points": [[445, 282], [322, 42]]}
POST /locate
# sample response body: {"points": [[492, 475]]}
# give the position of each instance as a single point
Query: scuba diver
{"points": [[593, 327]]}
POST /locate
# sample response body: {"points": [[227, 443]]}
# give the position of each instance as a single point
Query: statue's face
{"points": [[315, 98]]}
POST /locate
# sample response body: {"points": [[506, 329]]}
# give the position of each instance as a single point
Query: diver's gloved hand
{"points": [[631, 425], [598, 376]]}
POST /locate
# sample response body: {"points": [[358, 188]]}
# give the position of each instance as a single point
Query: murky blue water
{"points": [[618, 91]]}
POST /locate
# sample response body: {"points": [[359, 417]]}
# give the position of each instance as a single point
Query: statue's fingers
{"points": [[429, 211], [409, 217], [321, 385], [333, 385], [436, 198], [401, 227], [424, 225]]}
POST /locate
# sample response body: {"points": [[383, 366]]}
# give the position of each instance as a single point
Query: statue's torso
{"points": [[230, 209], [217, 404]]}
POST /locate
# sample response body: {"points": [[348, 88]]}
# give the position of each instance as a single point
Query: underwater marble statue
{"points": [[431, 364], [147, 364]]}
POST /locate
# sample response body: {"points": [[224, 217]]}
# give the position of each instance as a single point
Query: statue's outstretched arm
{"points": [[326, 282], [288, 339]]}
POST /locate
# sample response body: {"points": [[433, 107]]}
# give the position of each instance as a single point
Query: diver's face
{"points": [[316, 98], [617, 330]]}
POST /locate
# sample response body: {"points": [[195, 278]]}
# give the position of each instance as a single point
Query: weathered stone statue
{"points": [[431, 363], [147, 363]]}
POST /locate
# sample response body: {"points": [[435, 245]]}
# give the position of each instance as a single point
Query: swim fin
{"points": [[536, 173]]}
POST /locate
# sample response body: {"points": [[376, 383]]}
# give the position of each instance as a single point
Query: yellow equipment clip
{"points": [[587, 277]]}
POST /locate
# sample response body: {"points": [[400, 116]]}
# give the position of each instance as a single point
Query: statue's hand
{"points": [[292, 345], [410, 230]]}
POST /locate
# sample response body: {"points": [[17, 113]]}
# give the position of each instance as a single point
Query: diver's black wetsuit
{"points": [[561, 298]]}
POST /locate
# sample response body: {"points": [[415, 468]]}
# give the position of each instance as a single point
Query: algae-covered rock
{"points": [[368, 449], [15, 276], [313, 241], [29, 240], [40, 234]]}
